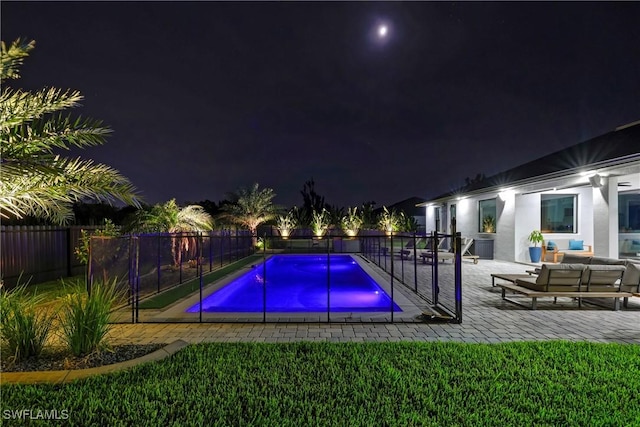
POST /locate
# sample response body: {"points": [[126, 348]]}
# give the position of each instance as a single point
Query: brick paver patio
{"points": [[486, 319]]}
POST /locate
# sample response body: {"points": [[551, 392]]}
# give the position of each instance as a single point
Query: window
{"points": [[437, 218], [558, 213], [452, 216], [629, 212], [487, 216]]}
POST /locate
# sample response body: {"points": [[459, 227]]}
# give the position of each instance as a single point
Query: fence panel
{"points": [[168, 277], [39, 253]]}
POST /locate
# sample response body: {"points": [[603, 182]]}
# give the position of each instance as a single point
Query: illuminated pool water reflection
{"points": [[298, 283]]}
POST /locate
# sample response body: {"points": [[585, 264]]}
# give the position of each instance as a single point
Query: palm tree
{"points": [[35, 180], [170, 218], [250, 207]]}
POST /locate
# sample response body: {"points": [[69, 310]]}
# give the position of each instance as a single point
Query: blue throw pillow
{"points": [[551, 245], [576, 245]]}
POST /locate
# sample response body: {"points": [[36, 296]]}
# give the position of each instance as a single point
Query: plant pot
{"points": [[535, 252]]}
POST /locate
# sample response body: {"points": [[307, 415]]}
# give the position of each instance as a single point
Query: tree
{"points": [[311, 202], [251, 207], [369, 219], [35, 180], [170, 218], [475, 180]]}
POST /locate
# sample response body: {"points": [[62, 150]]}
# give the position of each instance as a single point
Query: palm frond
{"points": [[86, 179], [51, 194], [20, 107], [194, 218], [32, 195], [58, 132], [35, 181], [12, 58]]}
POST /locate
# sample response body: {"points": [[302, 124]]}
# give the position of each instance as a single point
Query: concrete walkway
{"points": [[486, 319]]}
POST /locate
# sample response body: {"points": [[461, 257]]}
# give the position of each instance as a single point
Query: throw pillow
{"points": [[576, 245], [551, 245]]}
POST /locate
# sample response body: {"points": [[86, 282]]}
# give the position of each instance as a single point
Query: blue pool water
{"points": [[298, 283]]}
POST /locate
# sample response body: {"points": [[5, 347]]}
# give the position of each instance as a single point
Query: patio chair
{"points": [[446, 255], [407, 251]]}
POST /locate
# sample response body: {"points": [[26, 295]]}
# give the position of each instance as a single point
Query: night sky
{"points": [[207, 97]]}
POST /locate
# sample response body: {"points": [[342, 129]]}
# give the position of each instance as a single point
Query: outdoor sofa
{"points": [[580, 277], [554, 250]]}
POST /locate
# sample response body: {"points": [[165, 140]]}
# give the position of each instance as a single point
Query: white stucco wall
{"points": [[516, 216], [528, 219]]}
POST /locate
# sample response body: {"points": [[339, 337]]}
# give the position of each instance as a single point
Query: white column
{"points": [[605, 218]]}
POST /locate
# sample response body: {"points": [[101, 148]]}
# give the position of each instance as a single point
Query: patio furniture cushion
{"points": [[631, 277], [602, 278], [597, 260], [545, 271], [576, 259], [555, 278], [576, 245], [564, 247]]}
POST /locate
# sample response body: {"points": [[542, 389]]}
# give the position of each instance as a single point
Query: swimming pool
{"points": [[298, 283]]}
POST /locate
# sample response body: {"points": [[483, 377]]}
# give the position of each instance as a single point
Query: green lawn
{"points": [[174, 294], [356, 384]]}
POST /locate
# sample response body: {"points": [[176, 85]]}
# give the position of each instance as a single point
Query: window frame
{"points": [[546, 227], [481, 215]]}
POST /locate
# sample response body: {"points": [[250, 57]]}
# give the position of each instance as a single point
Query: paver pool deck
{"points": [[486, 319]]}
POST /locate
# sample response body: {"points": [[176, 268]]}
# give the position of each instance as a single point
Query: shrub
{"points": [[85, 317], [352, 222], [25, 326], [82, 250]]}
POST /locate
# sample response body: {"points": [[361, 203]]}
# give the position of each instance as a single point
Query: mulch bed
{"points": [[58, 360]]}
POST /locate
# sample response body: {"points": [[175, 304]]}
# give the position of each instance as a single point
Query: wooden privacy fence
{"points": [[39, 252]]}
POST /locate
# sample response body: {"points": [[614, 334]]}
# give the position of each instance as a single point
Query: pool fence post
{"points": [[434, 269], [199, 264], [328, 283], [221, 237], [415, 264], [391, 280], [401, 259], [179, 254], [89, 277], [237, 245], [210, 251], [137, 277], [264, 281], [458, 278], [159, 242]]}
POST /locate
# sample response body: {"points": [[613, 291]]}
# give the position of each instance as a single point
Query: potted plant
{"points": [[535, 251], [285, 224], [320, 223], [488, 224]]}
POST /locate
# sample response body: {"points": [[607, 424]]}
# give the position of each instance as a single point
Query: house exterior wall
{"points": [[517, 215], [528, 219]]}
